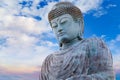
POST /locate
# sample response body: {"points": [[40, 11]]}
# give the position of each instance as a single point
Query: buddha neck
{"points": [[69, 44]]}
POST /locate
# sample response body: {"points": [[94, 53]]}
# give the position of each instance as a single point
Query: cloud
{"points": [[118, 38], [20, 55], [103, 10], [22, 48], [111, 6], [100, 12], [25, 22], [22, 34], [22, 44], [87, 5], [6, 75], [114, 46]]}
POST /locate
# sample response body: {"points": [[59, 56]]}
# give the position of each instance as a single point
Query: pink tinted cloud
{"points": [[7, 75]]}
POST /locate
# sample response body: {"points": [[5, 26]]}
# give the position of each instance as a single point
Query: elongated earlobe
{"points": [[80, 33]]}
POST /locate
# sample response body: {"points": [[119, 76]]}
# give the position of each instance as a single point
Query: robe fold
{"points": [[88, 59]]}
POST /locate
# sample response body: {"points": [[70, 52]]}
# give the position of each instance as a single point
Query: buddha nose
{"points": [[60, 29]]}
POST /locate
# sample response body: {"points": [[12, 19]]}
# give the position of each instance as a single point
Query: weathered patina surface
{"points": [[78, 58], [88, 59]]}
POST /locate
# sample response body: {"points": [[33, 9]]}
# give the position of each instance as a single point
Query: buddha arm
{"points": [[44, 69], [100, 63]]}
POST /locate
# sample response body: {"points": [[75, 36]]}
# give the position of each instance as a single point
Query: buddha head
{"points": [[66, 21]]}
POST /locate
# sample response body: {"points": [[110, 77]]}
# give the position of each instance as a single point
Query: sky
{"points": [[26, 37]]}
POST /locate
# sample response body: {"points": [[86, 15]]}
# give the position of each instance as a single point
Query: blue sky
{"points": [[107, 22], [26, 37]]}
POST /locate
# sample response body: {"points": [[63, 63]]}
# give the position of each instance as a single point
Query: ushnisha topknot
{"points": [[65, 8]]}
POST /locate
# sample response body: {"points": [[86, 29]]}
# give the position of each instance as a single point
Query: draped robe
{"points": [[88, 59]]}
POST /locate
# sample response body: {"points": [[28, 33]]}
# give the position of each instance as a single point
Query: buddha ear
{"points": [[81, 28]]}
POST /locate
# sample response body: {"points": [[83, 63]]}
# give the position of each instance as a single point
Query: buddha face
{"points": [[65, 28]]}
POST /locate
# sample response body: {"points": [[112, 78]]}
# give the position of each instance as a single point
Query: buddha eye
{"points": [[54, 25], [63, 20]]}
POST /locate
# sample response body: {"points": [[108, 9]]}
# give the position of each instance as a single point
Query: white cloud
{"points": [[28, 24], [114, 46], [111, 5], [10, 7], [99, 12], [23, 24], [24, 55], [20, 47], [118, 38], [86, 5], [22, 34]]}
